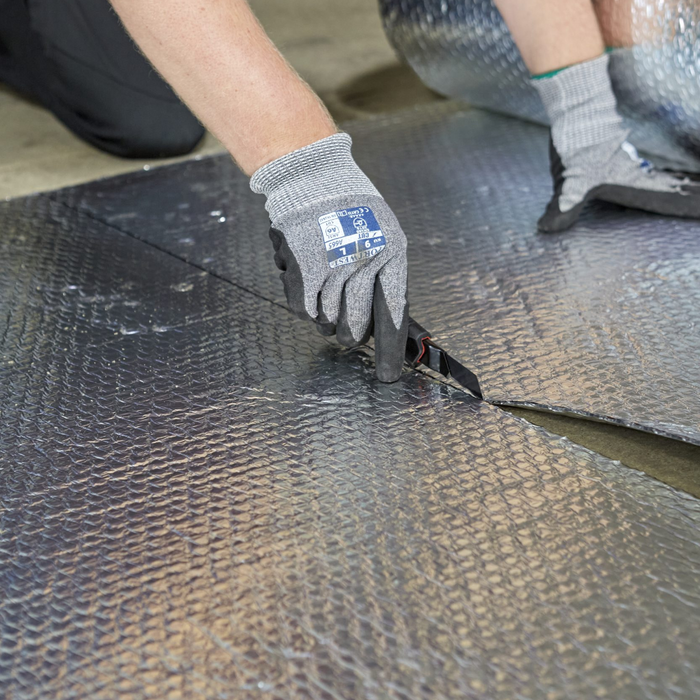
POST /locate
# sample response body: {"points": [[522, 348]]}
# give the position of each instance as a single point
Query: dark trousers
{"points": [[75, 58]]}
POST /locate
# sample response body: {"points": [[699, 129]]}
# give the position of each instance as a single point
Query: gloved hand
{"points": [[621, 178], [591, 158], [340, 248]]}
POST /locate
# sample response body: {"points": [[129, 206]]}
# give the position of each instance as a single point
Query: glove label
{"points": [[351, 235]]}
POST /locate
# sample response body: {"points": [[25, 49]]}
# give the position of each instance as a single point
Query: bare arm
{"points": [[217, 57]]}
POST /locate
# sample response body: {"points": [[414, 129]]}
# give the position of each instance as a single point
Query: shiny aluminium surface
{"points": [[602, 321], [190, 510], [463, 49]]}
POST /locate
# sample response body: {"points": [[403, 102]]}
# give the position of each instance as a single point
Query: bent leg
{"points": [[553, 34], [615, 19], [21, 53], [75, 57], [562, 44]]}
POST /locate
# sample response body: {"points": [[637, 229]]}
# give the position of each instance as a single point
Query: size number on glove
{"points": [[351, 235]]}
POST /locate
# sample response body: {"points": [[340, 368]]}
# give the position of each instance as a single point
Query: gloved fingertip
{"points": [[388, 374], [555, 221], [326, 329], [344, 336], [280, 262], [343, 333], [276, 238], [323, 324], [545, 225], [390, 341]]}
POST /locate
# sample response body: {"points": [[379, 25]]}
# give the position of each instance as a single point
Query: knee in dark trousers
{"points": [[76, 58], [175, 136], [137, 128]]}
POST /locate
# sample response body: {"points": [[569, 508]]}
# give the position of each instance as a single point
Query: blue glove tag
{"points": [[351, 235]]}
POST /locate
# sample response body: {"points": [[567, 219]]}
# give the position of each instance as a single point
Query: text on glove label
{"points": [[351, 235]]}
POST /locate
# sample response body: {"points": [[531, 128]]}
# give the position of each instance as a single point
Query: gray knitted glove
{"points": [[340, 248], [591, 157]]}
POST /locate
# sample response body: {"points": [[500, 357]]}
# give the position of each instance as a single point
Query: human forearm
{"points": [[220, 61], [341, 250]]}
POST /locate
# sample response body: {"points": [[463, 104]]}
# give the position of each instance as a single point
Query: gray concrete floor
{"points": [[357, 77]]}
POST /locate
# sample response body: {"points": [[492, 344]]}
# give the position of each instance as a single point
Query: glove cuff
{"points": [[581, 106], [322, 170]]}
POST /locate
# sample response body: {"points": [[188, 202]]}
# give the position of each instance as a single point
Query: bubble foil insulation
{"points": [[602, 321], [202, 498], [463, 49]]}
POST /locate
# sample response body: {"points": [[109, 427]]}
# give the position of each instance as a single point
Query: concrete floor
{"points": [[359, 76]]}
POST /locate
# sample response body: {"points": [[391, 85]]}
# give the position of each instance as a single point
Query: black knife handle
{"points": [[415, 346], [420, 350]]}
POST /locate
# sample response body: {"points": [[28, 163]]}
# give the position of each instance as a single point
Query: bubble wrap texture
{"points": [[463, 49], [602, 321], [202, 498]]}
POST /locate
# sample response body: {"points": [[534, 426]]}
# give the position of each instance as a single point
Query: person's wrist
{"points": [[316, 159], [321, 170], [283, 144]]}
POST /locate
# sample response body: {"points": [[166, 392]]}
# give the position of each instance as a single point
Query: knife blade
{"points": [[421, 349]]}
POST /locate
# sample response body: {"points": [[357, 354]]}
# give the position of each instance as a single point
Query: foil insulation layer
{"points": [[201, 497], [602, 321], [463, 49]]}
